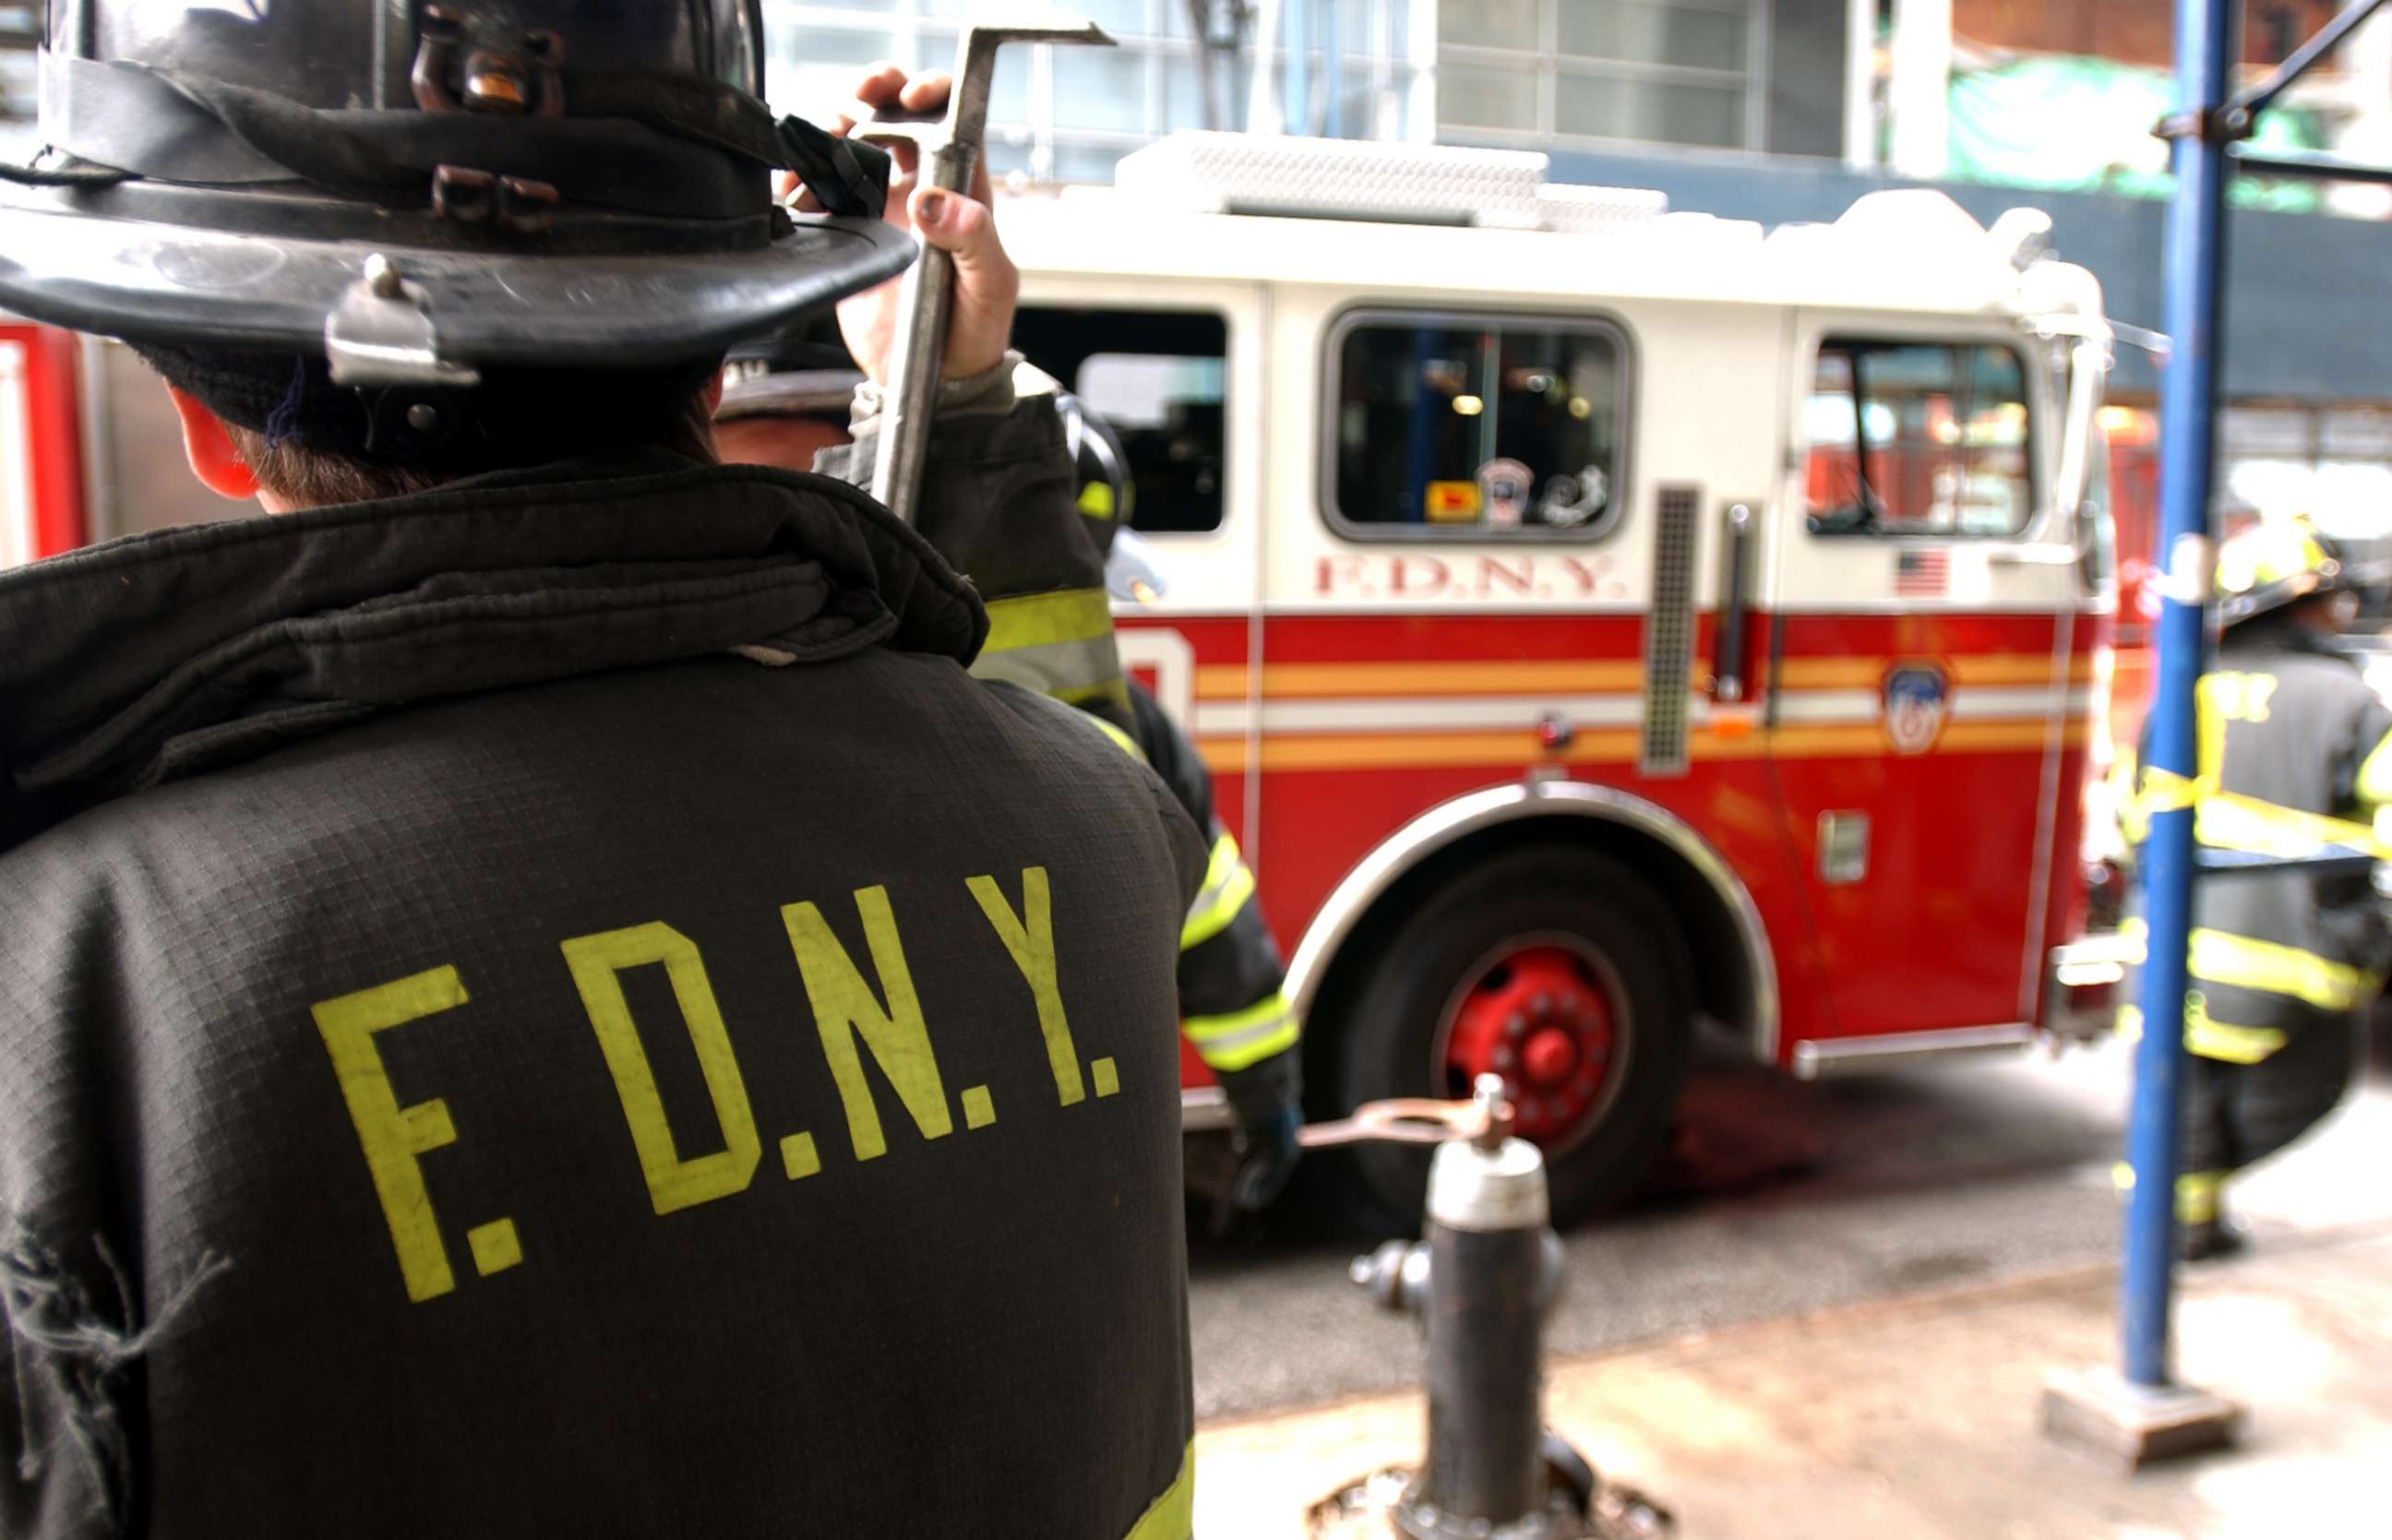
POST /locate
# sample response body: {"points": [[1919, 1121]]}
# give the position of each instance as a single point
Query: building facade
{"points": [[1736, 77], [1771, 110], [1777, 110], [20, 32]]}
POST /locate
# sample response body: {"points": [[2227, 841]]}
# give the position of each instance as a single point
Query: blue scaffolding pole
{"points": [[2208, 120], [2195, 256]]}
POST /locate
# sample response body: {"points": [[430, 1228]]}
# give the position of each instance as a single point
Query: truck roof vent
{"points": [[1216, 172], [1578, 209]]}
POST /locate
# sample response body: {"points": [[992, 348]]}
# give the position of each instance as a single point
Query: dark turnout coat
{"points": [[557, 1006], [2294, 751]]}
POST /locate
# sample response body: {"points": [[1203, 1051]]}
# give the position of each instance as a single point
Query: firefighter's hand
{"points": [[987, 284], [1267, 1153]]}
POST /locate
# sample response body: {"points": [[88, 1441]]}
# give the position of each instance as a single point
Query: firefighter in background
{"points": [[1234, 1011], [786, 401], [2294, 751]]}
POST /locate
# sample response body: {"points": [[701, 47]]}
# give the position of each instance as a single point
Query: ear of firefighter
{"points": [[210, 449]]}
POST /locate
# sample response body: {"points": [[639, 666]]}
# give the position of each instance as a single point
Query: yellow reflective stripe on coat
{"points": [[1058, 645], [2243, 962], [2225, 1041], [2220, 958], [1043, 619], [1243, 1038], [2197, 1193], [1122, 741], [1228, 883], [1112, 691], [2196, 1197], [2375, 785], [2222, 1041], [1171, 1516], [2229, 820]]}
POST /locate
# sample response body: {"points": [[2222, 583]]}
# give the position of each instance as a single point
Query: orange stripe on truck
{"points": [[1854, 673], [1231, 681], [1611, 746]]}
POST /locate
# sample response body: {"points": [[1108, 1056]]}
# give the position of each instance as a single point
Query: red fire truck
{"points": [[1604, 625]]}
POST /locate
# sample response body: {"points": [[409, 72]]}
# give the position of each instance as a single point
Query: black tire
{"points": [[1385, 1037]]}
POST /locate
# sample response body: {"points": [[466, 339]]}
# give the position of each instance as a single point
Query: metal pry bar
{"points": [[950, 154]]}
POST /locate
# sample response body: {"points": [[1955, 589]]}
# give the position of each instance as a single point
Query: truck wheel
{"points": [[1558, 970]]}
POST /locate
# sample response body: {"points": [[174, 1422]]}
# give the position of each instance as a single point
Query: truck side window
{"points": [[1918, 438], [1159, 377], [1450, 425]]}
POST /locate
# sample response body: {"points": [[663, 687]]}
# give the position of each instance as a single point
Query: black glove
{"points": [[1265, 1142], [1265, 1110]]}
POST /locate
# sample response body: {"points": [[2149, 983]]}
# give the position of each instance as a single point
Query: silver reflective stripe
{"points": [[1241, 1038], [1053, 667], [1228, 884], [1229, 1041]]}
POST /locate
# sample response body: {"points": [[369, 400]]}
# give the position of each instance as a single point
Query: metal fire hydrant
{"points": [[1481, 1282]]}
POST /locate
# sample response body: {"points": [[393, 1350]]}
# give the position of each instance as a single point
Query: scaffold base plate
{"points": [[2137, 1425]]}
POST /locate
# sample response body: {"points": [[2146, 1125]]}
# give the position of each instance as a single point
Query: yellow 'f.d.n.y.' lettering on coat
{"points": [[395, 1137], [1029, 940], [2226, 696], [845, 1009], [673, 1183]]}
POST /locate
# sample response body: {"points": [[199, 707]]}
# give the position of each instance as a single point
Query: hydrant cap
{"points": [[1470, 1188]]}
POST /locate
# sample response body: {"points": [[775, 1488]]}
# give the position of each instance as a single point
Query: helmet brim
{"points": [[809, 393], [2233, 609], [150, 281]]}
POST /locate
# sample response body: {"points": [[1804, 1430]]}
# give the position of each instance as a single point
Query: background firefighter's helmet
{"points": [[547, 183], [805, 373], [1107, 497], [2271, 564]]}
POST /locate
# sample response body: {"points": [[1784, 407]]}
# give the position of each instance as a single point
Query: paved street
{"points": [[1851, 1190]]}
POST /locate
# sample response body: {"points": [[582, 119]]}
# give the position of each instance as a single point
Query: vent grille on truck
{"points": [[1278, 174], [1669, 634]]}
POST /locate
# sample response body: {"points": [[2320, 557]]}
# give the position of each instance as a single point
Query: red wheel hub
{"points": [[1548, 1056], [1540, 1017]]}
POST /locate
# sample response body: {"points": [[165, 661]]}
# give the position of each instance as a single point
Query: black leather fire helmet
{"points": [[415, 193]]}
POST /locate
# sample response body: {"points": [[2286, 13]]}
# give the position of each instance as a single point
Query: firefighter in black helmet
{"points": [[536, 993], [785, 400], [2295, 752], [1234, 1012]]}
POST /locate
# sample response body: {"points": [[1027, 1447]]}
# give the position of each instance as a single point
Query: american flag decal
{"points": [[1922, 573]]}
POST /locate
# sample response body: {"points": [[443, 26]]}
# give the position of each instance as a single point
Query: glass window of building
{"points": [[2329, 463], [1918, 438], [1668, 71], [1463, 426], [1067, 114], [21, 33], [1159, 379]]}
